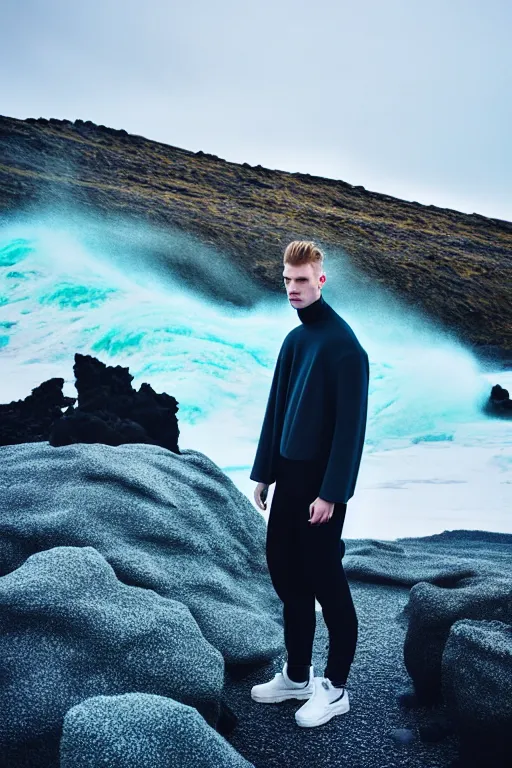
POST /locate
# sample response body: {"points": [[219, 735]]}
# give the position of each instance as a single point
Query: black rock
{"points": [[499, 403], [31, 420], [402, 735], [108, 411], [434, 610], [477, 686]]}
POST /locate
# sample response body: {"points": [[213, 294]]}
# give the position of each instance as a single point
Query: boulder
{"points": [[477, 686], [499, 402], [433, 610], [141, 730], [171, 523], [70, 630]]}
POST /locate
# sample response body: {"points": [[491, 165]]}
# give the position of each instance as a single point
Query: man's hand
{"points": [[260, 495], [320, 511]]}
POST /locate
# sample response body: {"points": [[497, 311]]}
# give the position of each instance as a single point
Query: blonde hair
{"points": [[304, 252]]}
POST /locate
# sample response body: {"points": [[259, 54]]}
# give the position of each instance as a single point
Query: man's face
{"points": [[302, 284]]}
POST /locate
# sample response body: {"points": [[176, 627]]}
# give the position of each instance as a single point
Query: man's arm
{"points": [[264, 463], [350, 414]]}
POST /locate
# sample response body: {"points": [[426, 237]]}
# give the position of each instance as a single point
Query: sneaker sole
{"points": [[340, 710], [304, 694]]}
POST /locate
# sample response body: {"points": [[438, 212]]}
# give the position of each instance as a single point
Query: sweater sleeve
{"points": [[350, 414], [264, 467]]}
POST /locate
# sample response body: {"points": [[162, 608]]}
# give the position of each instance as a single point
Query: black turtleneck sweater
{"points": [[318, 402]]}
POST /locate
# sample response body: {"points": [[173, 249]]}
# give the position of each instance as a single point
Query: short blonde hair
{"points": [[304, 252]]}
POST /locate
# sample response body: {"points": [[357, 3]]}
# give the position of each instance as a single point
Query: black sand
{"points": [[268, 736]]}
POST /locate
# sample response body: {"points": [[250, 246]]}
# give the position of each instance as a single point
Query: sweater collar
{"points": [[313, 312]]}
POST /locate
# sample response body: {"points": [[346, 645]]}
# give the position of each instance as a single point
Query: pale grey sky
{"points": [[406, 97]]}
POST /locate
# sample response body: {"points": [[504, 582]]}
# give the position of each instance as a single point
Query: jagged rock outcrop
{"points": [[108, 410], [32, 419]]}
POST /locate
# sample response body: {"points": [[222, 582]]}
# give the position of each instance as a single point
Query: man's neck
{"points": [[313, 312]]}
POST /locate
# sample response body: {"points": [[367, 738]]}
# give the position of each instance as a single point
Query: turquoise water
{"points": [[63, 291]]}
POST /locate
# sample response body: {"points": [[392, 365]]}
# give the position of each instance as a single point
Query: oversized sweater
{"points": [[318, 402]]}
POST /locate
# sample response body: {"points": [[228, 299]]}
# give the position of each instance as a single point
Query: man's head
{"points": [[303, 272]]}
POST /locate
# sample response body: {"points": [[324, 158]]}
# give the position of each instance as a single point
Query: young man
{"points": [[310, 445]]}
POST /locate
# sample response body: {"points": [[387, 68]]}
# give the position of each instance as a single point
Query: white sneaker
{"points": [[281, 688], [326, 702]]}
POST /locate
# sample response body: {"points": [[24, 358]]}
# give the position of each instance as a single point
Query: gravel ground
{"points": [[268, 736]]}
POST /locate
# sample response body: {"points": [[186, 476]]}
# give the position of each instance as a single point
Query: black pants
{"points": [[305, 561]]}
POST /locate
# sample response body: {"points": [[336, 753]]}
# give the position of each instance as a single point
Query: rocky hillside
{"points": [[457, 267]]}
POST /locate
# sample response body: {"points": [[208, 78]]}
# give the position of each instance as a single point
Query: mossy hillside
{"points": [[456, 267]]}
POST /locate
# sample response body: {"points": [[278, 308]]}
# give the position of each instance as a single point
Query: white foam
{"points": [[432, 460]]}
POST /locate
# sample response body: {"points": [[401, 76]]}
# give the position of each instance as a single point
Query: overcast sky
{"points": [[412, 98]]}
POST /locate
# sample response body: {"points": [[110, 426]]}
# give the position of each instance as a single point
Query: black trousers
{"points": [[304, 562]]}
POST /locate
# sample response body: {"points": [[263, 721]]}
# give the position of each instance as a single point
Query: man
{"points": [[310, 445]]}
